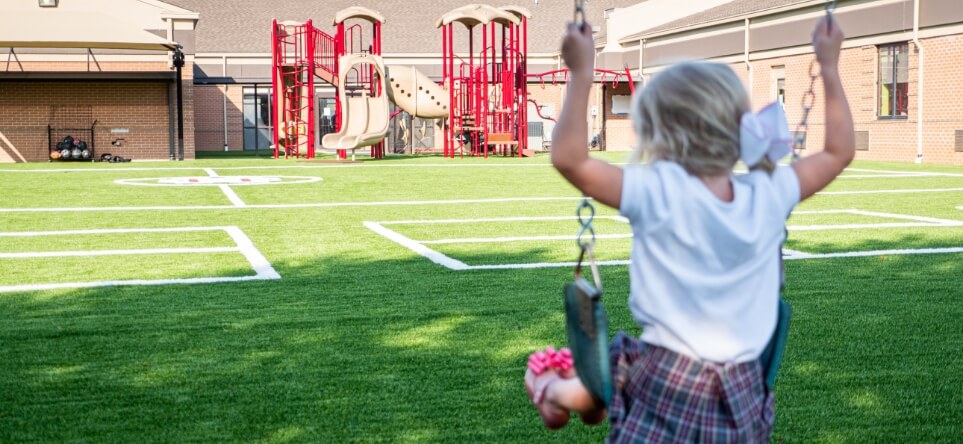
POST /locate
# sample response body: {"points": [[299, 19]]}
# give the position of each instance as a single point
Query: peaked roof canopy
{"points": [[358, 12], [471, 15]]}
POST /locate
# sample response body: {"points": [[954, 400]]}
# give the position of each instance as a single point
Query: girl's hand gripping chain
{"points": [[816, 171], [578, 50], [827, 43]]}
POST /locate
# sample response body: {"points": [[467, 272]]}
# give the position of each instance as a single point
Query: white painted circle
{"points": [[215, 181]]}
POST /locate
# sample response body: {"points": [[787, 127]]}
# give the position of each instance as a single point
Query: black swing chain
{"points": [[586, 241], [799, 140], [585, 210], [579, 18], [809, 97]]}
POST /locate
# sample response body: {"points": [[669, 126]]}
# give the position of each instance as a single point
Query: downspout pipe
{"points": [[745, 59], [919, 82], [226, 87]]}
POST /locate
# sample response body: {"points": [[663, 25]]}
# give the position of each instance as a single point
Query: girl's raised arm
{"points": [[595, 178], [818, 170]]}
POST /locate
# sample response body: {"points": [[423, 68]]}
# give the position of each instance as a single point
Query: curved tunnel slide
{"points": [[416, 94], [365, 118]]}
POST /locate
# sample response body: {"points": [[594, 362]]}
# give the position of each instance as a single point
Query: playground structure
{"points": [[302, 54], [483, 94], [488, 90]]}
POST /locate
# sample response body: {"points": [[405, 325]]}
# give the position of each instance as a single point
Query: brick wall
{"points": [[893, 140], [209, 117], [618, 127], [141, 107]]}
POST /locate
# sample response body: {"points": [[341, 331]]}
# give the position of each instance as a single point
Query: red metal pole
{"points": [[628, 74], [451, 89], [376, 41], [310, 35], [444, 79], [339, 50], [275, 71], [523, 79], [483, 91]]}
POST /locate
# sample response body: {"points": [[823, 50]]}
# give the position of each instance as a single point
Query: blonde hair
{"points": [[690, 114]]}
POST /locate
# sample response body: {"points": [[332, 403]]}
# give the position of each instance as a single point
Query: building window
{"points": [[781, 91], [894, 81], [778, 76], [257, 118], [621, 104]]}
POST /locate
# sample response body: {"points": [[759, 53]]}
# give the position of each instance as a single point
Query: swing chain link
{"points": [[586, 214], [809, 97], [579, 18]]}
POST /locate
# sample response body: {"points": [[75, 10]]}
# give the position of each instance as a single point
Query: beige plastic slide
{"points": [[415, 93], [365, 118]]}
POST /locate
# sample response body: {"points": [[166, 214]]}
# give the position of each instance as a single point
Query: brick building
{"points": [[899, 66], [899, 69], [97, 70]]}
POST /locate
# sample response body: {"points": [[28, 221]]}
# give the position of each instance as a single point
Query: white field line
{"points": [[919, 221], [480, 240], [796, 256], [496, 219], [886, 176], [89, 253], [870, 170], [791, 254], [933, 220], [257, 260], [928, 190], [262, 268], [71, 285], [893, 173], [419, 246], [541, 265], [292, 167], [231, 195], [280, 206], [110, 231], [900, 252], [432, 255]]}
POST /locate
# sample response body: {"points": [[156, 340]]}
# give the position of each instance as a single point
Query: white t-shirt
{"points": [[705, 273]]}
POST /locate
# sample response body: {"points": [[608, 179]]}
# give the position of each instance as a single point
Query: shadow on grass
{"points": [[341, 349], [346, 348]]}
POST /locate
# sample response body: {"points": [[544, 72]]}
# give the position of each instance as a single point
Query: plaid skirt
{"points": [[664, 397]]}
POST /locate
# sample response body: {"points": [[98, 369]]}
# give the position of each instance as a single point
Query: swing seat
{"points": [[772, 355], [588, 338]]}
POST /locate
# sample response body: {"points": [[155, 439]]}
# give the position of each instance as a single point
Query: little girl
{"points": [[705, 270]]}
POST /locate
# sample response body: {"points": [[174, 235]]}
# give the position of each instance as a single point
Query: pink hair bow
{"points": [[560, 360], [765, 133]]}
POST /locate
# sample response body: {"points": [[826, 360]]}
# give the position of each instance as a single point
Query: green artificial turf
{"points": [[363, 340]]}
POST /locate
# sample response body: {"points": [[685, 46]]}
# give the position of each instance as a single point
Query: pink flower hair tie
{"points": [[539, 361]]}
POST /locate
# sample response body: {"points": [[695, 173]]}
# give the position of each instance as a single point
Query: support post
{"points": [[179, 65]]}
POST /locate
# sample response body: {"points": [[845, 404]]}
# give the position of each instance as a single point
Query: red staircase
{"points": [[301, 53]]}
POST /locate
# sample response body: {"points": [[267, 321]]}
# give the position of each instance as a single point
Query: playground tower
{"points": [[301, 55], [488, 89]]}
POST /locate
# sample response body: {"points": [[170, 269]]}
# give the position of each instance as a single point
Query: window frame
{"points": [[256, 92], [893, 68]]}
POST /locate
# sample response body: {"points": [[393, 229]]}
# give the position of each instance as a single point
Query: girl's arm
{"points": [[815, 172], [597, 179]]}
